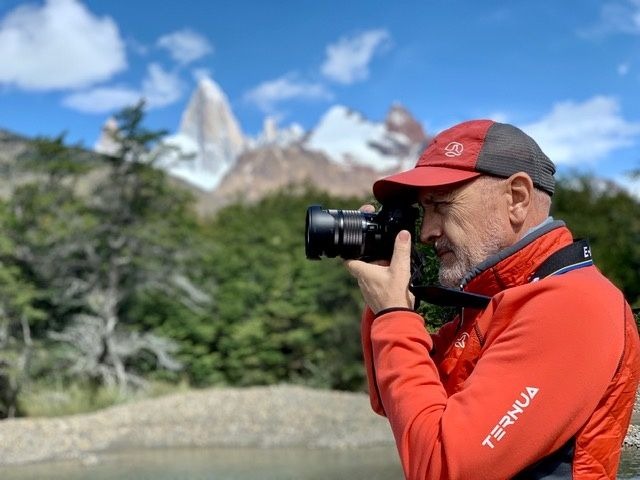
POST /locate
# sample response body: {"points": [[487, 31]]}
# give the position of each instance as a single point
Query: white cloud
{"points": [[617, 16], [269, 93], [102, 99], [348, 59], [159, 88], [583, 132], [58, 45], [623, 69], [622, 16], [185, 46]]}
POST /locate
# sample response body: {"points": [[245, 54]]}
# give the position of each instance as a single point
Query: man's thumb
{"points": [[401, 260]]}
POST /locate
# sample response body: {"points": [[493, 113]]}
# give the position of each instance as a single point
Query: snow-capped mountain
{"points": [[209, 134], [344, 152], [343, 155], [399, 120], [273, 135], [349, 139]]}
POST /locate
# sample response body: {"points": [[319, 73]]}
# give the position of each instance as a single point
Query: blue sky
{"points": [[568, 72]]}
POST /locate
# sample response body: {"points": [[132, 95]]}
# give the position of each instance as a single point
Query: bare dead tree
{"points": [[100, 351]]}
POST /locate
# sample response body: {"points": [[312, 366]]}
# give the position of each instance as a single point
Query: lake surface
{"points": [[240, 464]]}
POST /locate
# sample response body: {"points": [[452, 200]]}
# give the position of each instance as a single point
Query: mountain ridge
{"points": [[343, 144]]}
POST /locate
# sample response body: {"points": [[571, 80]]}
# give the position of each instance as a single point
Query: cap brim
{"points": [[403, 186]]}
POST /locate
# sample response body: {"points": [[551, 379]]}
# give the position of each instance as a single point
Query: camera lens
{"points": [[333, 233]]}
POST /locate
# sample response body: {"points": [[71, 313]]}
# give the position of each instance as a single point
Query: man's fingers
{"points": [[367, 208], [355, 267], [384, 287], [401, 260]]}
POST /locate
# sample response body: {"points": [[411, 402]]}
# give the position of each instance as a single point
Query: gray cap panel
{"points": [[508, 150]]}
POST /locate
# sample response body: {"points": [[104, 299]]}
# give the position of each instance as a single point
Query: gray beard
{"points": [[451, 273]]}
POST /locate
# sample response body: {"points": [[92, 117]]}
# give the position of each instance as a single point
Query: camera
{"points": [[352, 234]]}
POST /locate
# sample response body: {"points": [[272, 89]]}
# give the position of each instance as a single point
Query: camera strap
{"points": [[571, 257], [448, 297]]}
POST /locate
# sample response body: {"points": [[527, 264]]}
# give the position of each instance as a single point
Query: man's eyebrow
{"points": [[432, 197]]}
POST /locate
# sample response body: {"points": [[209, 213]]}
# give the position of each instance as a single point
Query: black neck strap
{"points": [[576, 255]]}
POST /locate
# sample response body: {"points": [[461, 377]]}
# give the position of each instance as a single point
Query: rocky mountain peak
{"points": [[345, 152], [208, 119], [106, 143], [211, 90], [272, 134], [400, 120], [209, 134]]}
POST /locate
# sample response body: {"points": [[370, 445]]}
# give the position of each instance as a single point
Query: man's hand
{"points": [[386, 286]]}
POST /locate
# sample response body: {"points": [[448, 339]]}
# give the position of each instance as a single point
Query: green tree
{"points": [[280, 317], [608, 216], [19, 313], [93, 243], [35, 232]]}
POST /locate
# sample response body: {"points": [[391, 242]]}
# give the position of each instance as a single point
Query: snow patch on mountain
{"points": [[398, 118], [273, 135], [349, 139], [183, 159]]}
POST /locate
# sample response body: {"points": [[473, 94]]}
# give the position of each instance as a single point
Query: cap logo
{"points": [[453, 149]]}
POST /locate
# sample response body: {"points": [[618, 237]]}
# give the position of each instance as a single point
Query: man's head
{"points": [[482, 185]]}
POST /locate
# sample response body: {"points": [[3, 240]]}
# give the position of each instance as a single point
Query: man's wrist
{"points": [[393, 309]]}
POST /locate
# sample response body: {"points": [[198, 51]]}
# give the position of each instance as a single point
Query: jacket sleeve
{"points": [[374, 394], [443, 338], [537, 381], [440, 341]]}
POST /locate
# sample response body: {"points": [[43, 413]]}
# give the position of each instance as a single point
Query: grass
{"points": [[54, 401]]}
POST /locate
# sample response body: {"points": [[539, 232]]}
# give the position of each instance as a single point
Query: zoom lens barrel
{"points": [[332, 233], [352, 234]]}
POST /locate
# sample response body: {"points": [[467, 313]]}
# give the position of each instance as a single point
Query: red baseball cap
{"points": [[466, 151]]}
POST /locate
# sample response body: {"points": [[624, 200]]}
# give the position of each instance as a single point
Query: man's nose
{"points": [[431, 228]]}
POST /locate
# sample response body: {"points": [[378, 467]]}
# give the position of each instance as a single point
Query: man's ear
{"points": [[519, 198]]}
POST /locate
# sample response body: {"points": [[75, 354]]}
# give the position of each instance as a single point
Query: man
{"points": [[540, 382]]}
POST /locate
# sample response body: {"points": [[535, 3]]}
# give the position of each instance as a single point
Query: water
{"points": [[241, 464], [223, 464]]}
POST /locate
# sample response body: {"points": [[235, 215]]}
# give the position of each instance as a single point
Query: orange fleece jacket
{"points": [[543, 363]]}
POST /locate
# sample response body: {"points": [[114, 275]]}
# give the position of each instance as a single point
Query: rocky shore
{"points": [[280, 416]]}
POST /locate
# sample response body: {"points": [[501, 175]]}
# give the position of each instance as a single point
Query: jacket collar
{"points": [[514, 265]]}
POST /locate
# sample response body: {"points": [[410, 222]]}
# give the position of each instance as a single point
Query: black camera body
{"points": [[352, 234]]}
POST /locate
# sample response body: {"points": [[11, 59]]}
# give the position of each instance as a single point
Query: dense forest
{"points": [[115, 286]]}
